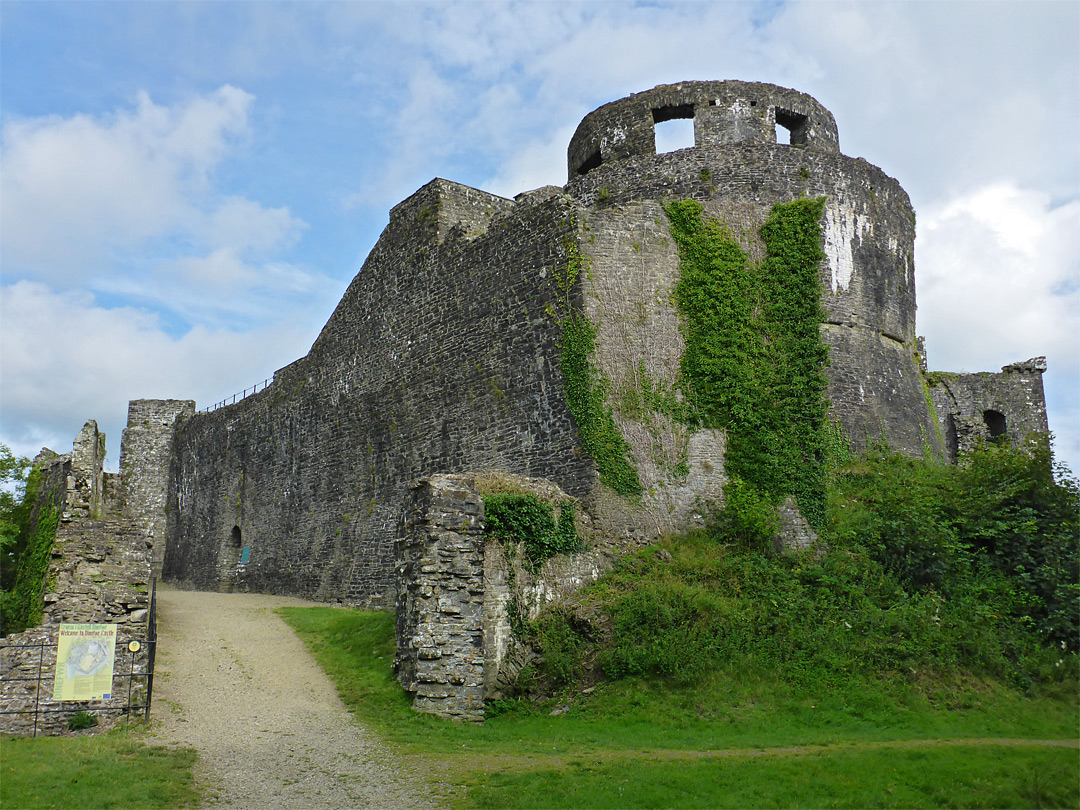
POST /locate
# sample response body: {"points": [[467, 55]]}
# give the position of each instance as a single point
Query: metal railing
{"points": [[44, 706], [240, 395]]}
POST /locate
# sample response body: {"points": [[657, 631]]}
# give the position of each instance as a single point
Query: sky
{"points": [[186, 189]]}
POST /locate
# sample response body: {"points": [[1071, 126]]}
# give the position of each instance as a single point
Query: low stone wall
{"points": [[26, 702], [456, 643]]}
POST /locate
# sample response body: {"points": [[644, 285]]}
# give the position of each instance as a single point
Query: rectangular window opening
{"points": [[673, 128], [791, 128], [590, 163]]}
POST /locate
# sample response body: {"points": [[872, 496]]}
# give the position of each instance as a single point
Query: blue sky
{"points": [[186, 189]]}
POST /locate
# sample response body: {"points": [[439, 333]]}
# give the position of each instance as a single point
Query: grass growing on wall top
{"points": [[754, 360]]}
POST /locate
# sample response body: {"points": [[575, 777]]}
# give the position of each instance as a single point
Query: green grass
{"points": [[930, 777], [114, 769], [608, 741]]}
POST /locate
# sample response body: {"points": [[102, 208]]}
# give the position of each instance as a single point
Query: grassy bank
{"points": [[646, 742], [116, 769]]}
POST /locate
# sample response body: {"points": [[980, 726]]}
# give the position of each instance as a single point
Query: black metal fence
{"points": [[29, 665], [238, 396]]}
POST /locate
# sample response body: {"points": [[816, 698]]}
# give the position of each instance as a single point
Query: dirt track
{"points": [[234, 682]]}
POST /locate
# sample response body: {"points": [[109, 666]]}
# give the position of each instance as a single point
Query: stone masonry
{"points": [[443, 356], [456, 645], [440, 610], [99, 573], [145, 456]]}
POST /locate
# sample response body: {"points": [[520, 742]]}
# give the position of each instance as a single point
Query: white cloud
{"points": [[997, 274], [129, 202], [65, 359], [72, 189]]}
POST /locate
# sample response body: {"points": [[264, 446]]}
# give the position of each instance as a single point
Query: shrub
{"points": [[748, 517], [514, 517], [80, 721]]}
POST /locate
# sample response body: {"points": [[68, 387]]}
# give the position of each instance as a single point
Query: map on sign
{"points": [[84, 662]]}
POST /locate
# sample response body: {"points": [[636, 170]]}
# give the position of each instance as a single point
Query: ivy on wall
{"points": [[587, 389], [516, 517], [754, 363], [21, 606]]}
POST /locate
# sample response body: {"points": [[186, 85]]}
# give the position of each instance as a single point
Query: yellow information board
{"points": [[84, 662]]}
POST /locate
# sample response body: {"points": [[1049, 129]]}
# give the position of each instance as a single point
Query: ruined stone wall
{"points": [[440, 602], [99, 573], [442, 356], [456, 644], [145, 456], [985, 406]]}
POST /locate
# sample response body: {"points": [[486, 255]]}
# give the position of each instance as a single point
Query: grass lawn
{"points": [[737, 739], [113, 769]]}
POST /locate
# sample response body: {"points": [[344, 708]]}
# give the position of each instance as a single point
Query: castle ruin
{"points": [[443, 359]]}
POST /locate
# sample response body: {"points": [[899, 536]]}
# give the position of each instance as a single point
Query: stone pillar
{"points": [[440, 567], [145, 455], [86, 484]]}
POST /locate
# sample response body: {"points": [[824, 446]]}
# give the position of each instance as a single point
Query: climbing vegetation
{"points": [[28, 536], [587, 388], [754, 362], [515, 517], [930, 573]]}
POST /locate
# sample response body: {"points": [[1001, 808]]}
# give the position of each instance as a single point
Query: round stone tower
{"points": [[738, 169]]}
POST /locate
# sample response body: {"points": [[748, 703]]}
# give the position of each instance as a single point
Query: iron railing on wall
{"points": [[128, 667], [238, 396]]}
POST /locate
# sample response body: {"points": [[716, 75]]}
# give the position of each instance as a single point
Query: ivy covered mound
{"points": [[932, 572]]}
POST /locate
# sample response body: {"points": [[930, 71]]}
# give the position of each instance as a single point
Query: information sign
{"points": [[84, 662]]}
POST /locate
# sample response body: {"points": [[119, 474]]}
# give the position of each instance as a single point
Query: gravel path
{"points": [[234, 682]]}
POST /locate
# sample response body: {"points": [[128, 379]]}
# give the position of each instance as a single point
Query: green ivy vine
{"points": [[754, 363], [587, 388], [519, 517]]}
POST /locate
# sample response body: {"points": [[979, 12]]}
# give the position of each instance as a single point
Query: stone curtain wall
{"points": [[444, 354], [441, 357], [145, 455], [440, 603]]}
